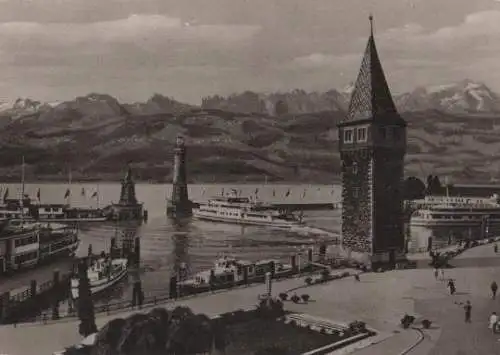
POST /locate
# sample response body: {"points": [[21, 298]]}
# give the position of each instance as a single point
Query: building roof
{"points": [[371, 98]]}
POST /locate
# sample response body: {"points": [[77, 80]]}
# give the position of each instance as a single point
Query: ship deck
{"points": [[20, 281]]}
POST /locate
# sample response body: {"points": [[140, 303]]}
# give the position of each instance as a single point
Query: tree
{"points": [[413, 188], [85, 304], [280, 108]]}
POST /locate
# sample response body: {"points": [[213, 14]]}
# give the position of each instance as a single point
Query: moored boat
{"points": [[103, 273], [25, 244], [229, 269], [458, 214]]}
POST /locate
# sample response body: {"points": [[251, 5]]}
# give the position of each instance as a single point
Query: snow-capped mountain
{"points": [[22, 107], [461, 97]]}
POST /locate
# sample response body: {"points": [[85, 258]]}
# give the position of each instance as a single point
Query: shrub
{"points": [[305, 297], [325, 274], [346, 274], [426, 323], [293, 322], [407, 320], [357, 326], [308, 280], [295, 299], [283, 296], [322, 331]]}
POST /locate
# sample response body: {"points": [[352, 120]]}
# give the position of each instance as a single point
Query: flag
{"points": [[38, 194], [68, 192], [274, 193], [83, 191], [234, 191], [94, 195], [331, 193], [257, 191], [6, 194], [222, 193], [288, 193], [304, 193]]}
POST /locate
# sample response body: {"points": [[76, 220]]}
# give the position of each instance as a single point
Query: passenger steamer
{"points": [[25, 244], [242, 210], [458, 212], [15, 210]]}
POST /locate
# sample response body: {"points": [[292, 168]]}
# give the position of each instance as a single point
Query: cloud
{"points": [[321, 60], [133, 29]]}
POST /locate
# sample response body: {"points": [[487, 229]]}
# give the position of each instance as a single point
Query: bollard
{"points": [[245, 274], [173, 287], [32, 288], [293, 262], [310, 255], [56, 288], [137, 251], [112, 248]]}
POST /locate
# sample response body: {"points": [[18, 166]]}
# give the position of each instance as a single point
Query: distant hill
{"points": [[241, 138]]}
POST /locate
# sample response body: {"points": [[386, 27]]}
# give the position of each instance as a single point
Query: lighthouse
{"points": [[179, 204]]}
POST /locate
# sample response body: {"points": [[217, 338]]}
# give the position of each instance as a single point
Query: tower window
{"points": [[348, 136], [361, 134]]}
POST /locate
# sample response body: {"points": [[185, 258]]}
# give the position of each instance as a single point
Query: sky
{"points": [[54, 50]]}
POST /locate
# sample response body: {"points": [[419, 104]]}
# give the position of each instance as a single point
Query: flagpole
{"points": [[98, 196]]}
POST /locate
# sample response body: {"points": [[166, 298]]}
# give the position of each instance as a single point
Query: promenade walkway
{"points": [[379, 299]]}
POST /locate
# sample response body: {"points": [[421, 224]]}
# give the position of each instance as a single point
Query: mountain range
{"points": [[249, 136]]}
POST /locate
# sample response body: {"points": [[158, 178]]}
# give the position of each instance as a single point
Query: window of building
{"points": [[355, 192], [348, 136], [362, 134], [354, 168]]}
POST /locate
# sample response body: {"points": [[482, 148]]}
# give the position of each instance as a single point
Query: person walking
{"points": [[493, 321], [468, 311], [451, 286], [436, 271], [442, 274], [494, 289]]}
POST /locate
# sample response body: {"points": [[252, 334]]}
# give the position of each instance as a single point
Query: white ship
{"points": [[458, 212], [102, 273], [242, 210], [230, 269]]}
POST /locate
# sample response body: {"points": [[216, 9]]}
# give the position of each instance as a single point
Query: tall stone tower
{"points": [[372, 144], [179, 205], [127, 194], [128, 208]]}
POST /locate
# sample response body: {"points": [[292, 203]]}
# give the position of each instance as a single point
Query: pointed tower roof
{"points": [[128, 176], [371, 97]]}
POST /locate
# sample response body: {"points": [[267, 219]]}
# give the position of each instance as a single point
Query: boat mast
{"points": [[69, 186], [22, 189], [98, 196]]}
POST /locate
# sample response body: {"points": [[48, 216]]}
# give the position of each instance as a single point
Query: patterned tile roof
{"points": [[371, 97]]}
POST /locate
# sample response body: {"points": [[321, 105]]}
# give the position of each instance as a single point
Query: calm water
{"points": [[164, 244]]}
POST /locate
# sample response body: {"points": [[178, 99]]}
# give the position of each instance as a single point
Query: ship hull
{"points": [[241, 221], [96, 288]]}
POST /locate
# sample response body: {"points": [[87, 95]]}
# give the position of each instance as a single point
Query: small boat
{"points": [[230, 269], [242, 210], [103, 273]]}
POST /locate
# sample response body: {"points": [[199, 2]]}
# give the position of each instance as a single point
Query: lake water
{"points": [[165, 244]]}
